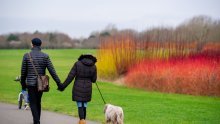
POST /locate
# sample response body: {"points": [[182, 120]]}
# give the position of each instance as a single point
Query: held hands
{"points": [[60, 87]]}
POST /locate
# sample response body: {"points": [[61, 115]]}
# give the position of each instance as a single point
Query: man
{"points": [[29, 77]]}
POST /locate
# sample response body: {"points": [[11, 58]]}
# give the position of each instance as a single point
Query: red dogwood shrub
{"points": [[195, 74]]}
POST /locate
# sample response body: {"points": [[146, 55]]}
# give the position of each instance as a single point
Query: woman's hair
{"points": [[89, 56]]}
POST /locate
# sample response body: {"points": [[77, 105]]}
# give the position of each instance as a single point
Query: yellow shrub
{"points": [[106, 65]]}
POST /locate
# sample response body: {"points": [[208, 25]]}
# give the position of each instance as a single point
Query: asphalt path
{"points": [[10, 114]]}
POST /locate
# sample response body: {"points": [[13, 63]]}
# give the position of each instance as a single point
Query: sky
{"points": [[79, 18]]}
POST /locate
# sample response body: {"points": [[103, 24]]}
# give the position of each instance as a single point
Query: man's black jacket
{"points": [[41, 62]]}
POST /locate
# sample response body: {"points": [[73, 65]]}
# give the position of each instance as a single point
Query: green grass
{"points": [[139, 106]]}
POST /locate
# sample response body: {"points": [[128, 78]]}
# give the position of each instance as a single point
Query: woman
{"points": [[85, 73]]}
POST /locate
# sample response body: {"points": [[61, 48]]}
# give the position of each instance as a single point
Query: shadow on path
{"points": [[10, 114]]}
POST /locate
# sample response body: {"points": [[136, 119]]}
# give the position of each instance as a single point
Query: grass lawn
{"points": [[139, 106]]}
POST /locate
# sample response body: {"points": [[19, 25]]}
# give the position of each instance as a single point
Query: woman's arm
{"points": [[94, 77], [70, 77]]}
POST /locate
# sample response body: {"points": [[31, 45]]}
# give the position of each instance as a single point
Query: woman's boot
{"points": [[82, 121]]}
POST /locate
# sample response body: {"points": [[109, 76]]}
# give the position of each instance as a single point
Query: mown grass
{"points": [[139, 106]]}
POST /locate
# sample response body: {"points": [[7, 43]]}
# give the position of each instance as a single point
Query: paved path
{"points": [[10, 114]]}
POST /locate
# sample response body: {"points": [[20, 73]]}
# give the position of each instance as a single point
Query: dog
{"points": [[113, 114]]}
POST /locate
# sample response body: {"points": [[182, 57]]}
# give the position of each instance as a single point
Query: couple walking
{"points": [[84, 71]]}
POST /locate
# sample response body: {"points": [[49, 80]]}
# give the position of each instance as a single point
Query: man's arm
{"points": [[52, 71], [24, 73]]}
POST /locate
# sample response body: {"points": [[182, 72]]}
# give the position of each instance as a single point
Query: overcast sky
{"points": [[80, 17]]}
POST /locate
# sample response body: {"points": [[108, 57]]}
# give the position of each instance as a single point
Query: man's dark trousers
{"points": [[35, 103]]}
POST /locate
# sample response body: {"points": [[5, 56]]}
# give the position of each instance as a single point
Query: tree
{"points": [[105, 34], [199, 28], [13, 37]]}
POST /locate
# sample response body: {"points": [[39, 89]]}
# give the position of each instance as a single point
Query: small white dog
{"points": [[113, 114]]}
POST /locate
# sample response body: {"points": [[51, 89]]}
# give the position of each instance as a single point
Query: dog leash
{"points": [[100, 93]]}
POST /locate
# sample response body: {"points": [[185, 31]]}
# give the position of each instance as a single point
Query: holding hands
{"points": [[60, 87]]}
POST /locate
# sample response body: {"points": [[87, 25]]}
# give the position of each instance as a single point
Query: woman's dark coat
{"points": [[85, 73]]}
